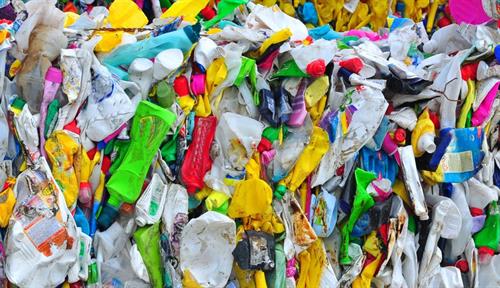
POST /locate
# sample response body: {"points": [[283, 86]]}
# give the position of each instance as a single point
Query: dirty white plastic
{"points": [[232, 131], [480, 195], [108, 106], [176, 204], [138, 264], [449, 35], [149, 207], [319, 49], [110, 242], [80, 269], [208, 239], [448, 83], [205, 51], [75, 64], [276, 20], [489, 273], [410, 263], [371, 106], [412, 181], [4, 135], [140, 71], [167, 62], [446, 223], [448, 277], [405, 118], [25, 265], [484, 71], [26, 127], [457, 245], [471, 255]]}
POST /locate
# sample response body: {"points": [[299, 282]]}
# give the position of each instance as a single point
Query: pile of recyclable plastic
{"points": [[251, 144]]}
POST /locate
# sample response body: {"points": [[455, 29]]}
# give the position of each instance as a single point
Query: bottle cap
{"points": [[316, 68], [462, 265], [181, 86]]}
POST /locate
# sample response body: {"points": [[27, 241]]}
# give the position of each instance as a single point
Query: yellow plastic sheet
{"points": [[251, 197], [62, 149], [126, 14], [312, 262], [309, 159], [188, 9], [316, 90], [7, 202]]}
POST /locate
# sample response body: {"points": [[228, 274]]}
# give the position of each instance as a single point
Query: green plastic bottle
{"points": [[149, 128], [489, 236], [147, 239], [362, 202]]}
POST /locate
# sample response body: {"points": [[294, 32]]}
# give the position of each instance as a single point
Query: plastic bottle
{"points": [[489, 237], [149, 207], [53, 79], [141, 72], [149, 127], [148, 244], [412, 181], [422, 137]]}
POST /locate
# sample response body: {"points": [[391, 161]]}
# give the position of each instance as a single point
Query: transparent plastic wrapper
{"points": [[288, 152], [42, 240], [45, 45], [95, 119], [367, 108], [237, 137]]}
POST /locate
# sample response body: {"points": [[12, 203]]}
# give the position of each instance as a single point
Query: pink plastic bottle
{"points": [[53, 79]]}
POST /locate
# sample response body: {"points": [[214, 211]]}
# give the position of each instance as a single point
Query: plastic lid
{"points": [[354, 64], [280, 191], [316, 68], [181, 86], [400, 135], [54, 75], [476, 211], [462, 265]]}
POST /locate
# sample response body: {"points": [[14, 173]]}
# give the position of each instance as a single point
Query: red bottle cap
{"points": [[443, 22], [400, 135], [354, 64], [181, 86], [340, 170], [469, 71], [78, 284], [208, 12], [264, 145], [485, 251], [476, 212], [316, 68], [462, 265]]}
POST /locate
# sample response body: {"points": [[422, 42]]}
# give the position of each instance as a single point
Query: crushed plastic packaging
{"points": [[249, 143]]}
